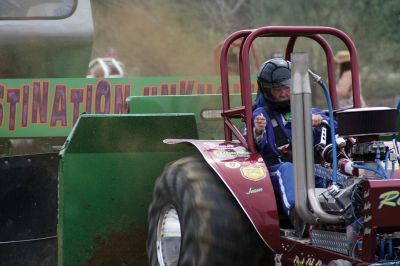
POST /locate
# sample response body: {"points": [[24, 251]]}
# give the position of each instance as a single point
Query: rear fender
{"points": [[247, 178]]}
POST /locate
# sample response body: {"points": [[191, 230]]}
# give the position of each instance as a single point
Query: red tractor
{"points": [[219, 208]]}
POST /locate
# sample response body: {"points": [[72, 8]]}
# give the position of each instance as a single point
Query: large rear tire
{"points": [[194, 220]]}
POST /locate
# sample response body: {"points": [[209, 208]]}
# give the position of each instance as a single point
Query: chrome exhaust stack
{"points": [[302, 141]]}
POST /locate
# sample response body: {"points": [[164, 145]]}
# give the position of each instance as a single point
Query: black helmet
{"points": [[274, 73]]}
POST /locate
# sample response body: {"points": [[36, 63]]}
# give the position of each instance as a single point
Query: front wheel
{"points": [[194, 220]]}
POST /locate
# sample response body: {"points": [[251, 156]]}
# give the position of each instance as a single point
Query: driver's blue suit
{"points": [[279, 165]]}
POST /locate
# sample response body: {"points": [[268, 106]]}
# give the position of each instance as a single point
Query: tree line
{"points": [[189, 30]]}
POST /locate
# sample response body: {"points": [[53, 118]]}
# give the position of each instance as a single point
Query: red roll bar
{"points": [[245, 111]]}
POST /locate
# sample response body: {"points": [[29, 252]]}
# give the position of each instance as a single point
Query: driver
{"points": [[272, 132]]}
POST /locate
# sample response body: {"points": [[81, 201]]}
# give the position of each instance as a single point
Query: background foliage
{"points": [[177, 37]]}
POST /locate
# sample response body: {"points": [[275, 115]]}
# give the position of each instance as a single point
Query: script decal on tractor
{"points": [[390, 199], [307, 262]]}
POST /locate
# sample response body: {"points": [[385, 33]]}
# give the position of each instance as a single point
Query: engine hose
{"points": [[386, 160], [364, 167], [386, 165], [332, 128], [393, 169], [353, 213], [396, 148], [380, 167]]}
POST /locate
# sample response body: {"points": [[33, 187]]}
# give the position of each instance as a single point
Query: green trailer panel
{"points": [[107, 170], [106, 175], [207, 109]]}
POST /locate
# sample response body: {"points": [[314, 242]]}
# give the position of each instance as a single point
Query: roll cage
{"points": [[293, 32]]}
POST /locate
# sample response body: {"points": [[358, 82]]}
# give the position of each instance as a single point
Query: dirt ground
{"points": [[120, 249]]}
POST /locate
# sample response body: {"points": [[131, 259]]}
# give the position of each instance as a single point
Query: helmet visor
{"points": [[280, 88], [283, 83]]}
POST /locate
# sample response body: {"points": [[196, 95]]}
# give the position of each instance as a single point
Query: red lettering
{"points": [[89, 89], [204, 88], [103, 97], [201, 88], [145, 91], [120, 106], [59, 110], [149, 91], [1, 104], [25, 102], [172, 89], [168, 89], [164, 89], [13, 96], [209, 88], [39, 102], [76, 100], [186, 87]]}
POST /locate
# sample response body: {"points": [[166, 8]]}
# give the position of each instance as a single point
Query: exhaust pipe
{"points": [[302, 141]]}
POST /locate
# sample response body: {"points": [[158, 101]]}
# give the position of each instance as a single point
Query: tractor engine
{"points": [[367, 189]]}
